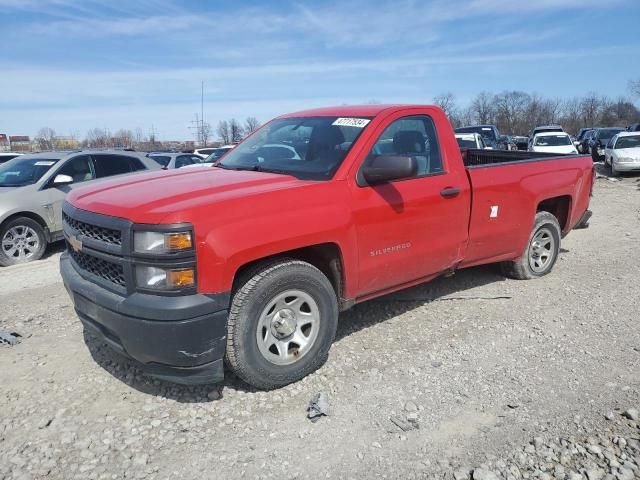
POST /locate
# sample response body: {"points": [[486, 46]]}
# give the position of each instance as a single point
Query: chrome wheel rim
{"points": [[288, 327], [541, 250], [20, 242]]}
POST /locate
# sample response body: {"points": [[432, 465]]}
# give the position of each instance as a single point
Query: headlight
{"points": [[622, 159], [165, 279], [162, 242]]}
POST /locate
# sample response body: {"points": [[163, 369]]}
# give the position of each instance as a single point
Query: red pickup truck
{"points": [[249, 262]]}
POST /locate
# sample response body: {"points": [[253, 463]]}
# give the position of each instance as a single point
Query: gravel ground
{"points": [[473, 376]]}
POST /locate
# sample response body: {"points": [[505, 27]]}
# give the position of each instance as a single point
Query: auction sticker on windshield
{"points": [[351, 122], [44, 164]]}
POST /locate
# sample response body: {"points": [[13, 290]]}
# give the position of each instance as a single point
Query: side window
{"points": [[183, 160], [197, 159], [79, 168], [413, 136], [136, 164], [109, 165]]}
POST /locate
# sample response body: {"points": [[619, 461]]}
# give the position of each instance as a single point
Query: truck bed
{"points": [[482, 158]]}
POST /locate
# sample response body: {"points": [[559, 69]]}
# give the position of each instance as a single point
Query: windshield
{"points": [[628, 142], [553, 141], [310, 148], [487, 132], [161, 160], [24, 171], [462, 143], [607, 133]]}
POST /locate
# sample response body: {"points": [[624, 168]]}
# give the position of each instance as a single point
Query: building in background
{"points": [[65, 143], [5, 146], [20, 143]]}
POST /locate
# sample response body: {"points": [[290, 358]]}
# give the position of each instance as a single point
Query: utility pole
{"points": [[202, 112]]}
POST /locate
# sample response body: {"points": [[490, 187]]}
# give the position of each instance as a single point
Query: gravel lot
{"points": [[473, 376]]}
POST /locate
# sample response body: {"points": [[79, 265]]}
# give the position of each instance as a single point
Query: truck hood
{"points": [[168, 196]]}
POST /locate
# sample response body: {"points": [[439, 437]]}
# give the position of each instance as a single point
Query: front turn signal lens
{"points": [[156, 278], [181, 278], [177, 241]]}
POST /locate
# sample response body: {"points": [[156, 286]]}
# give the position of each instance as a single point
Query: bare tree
{"points": [[46, 138], [235, 131], [447, 102], [205, 133], [124, 138], [634, 87], [251, 124], [482, 107], [97, 138], [510, 108], [223, 132]]}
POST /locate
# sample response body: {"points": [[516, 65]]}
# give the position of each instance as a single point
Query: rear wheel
{"points": [[22, 240], [542, 250], [282, 323]]}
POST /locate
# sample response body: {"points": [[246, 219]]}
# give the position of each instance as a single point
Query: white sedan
{"points": [[553, 142], [472, 141], [622, 153]]}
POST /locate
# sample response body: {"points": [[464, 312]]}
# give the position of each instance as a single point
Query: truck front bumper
{"points": [[179, 339]]}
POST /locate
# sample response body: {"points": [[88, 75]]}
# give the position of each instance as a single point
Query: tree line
{"points": [[516, 112]]}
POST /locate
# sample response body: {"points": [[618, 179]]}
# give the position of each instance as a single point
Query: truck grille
{"points": [[109, 271], [106, 235]]}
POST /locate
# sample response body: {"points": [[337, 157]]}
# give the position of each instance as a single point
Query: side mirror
{"points": [[386, 168], [61, 180]]}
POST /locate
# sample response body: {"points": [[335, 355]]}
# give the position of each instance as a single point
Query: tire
{"points": [[22, 240], [267, 329], [614, 172], [537, 261]]}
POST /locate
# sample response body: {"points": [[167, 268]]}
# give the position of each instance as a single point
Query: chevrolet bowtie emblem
{"points": [[74, 243]]}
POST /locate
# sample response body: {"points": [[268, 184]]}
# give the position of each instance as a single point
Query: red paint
{"points": [[243, 216]]}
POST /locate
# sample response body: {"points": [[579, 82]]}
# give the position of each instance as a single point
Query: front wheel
{"points": [[542, 250], [22, 240], [282, 323]]}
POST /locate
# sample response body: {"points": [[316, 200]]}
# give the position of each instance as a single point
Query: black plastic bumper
{"points": [[178, 339]]}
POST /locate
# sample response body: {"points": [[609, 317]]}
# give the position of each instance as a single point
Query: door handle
{"points": [[450, 192]]}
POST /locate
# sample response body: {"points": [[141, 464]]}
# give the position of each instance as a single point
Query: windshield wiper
{"points": [[254, 168]]}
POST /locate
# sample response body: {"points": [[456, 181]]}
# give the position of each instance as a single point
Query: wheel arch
{"points": [[326, 257], [559, 207], [33, 216]]}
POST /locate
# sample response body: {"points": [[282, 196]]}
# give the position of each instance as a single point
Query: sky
{"points": [[73, 65]]}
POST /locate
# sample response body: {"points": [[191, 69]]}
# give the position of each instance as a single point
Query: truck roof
{"points": [[350, 110]]}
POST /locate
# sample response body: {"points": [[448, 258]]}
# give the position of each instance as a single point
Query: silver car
{"points": [[33, 186], [171, 160]]}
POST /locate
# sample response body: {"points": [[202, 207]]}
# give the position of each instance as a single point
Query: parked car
{"points": [[545, 128], [249, 262], [6, 156], [470, 141], [553, 142], [579, 142], [598, 139], [622, 152], [170, 161], [584, 146], [522, 142], [505, 142], [204, 152], [33, 186], [490, 133], [215, 156], [634, 127]]}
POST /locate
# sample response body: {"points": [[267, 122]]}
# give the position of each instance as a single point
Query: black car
{"points": [[521, 141], [598, 139], [505, 142], [634, 127], [490, 133], [580, 138]]}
